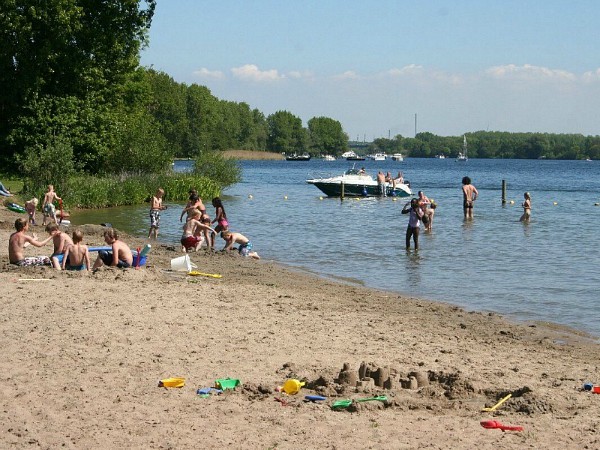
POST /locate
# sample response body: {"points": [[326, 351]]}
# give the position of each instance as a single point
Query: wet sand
{"points": [[83, 354]]}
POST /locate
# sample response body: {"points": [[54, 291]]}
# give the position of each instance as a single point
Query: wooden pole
{"points": [[503, 192], [342, 194]]}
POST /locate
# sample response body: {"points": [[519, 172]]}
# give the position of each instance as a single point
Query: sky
{"points": [[385, 67]]}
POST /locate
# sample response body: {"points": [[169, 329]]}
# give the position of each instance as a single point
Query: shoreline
{"points": [[84, 352]]}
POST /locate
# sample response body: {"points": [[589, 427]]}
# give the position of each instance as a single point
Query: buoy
{"points": [[394, 199], [285, 197], [512, 202], [250, 196], [555, 203], [321, 198]]}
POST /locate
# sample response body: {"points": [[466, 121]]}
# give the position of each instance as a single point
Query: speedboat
{"points": [[397, 157], [354, 183], [295, 157], [351, 156], [378, 157], [329, 158]]}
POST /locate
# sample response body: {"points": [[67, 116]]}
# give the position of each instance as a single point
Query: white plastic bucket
{"points": [[182, 264]]}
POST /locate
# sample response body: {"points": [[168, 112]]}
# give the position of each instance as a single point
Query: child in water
{"points": [[526, 208], [414, 222]]}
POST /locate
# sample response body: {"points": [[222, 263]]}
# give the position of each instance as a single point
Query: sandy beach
{"points": [[84, 352]]}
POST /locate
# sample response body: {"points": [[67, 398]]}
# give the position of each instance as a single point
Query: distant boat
{"points": [[397, 157], [378, 157], [351, 156], [462, 157], [329, 158], [295, 157], [440, 156]]}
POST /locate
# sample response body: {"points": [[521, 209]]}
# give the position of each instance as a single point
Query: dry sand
{"points": [[83, 354]]}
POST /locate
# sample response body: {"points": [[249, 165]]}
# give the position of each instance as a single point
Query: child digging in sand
{"points": [[120, 256], [245, 246], [76, 254]]}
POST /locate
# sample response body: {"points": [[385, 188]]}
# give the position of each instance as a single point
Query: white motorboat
{"points": [[329, 158], [356, 183], [397, 157]]}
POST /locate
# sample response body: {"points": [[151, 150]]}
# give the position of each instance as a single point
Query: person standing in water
{"points": [[526, 208], [469, 196]]}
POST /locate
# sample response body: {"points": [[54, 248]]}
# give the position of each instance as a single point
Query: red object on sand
{"points": [[61, 211], [494, 424]]}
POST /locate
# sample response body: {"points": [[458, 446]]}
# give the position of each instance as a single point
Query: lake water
{"points": [[546, 270]]}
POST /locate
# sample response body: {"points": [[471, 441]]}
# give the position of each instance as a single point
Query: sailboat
{"points": [[463, 156]]}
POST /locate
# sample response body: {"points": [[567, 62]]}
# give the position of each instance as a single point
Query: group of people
{"points": [[70, 254], [422, 209], [383, 181], [197, 229]]}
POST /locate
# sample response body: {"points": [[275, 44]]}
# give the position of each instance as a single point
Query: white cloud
{"points": [[527, 72], [205, 73], [406, 70], [251, 72], [591, 76], [348, 75], [298, 74]]}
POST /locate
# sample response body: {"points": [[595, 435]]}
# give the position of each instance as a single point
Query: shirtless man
{"points": [[381, 183], [120, 256], [469, 196], [61, 240], [19, 240]]}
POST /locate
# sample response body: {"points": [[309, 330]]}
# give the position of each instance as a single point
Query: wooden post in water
{"points": [[342, 193], [503, 192]]}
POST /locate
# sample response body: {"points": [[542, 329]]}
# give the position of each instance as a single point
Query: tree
{"points": [[54, 49], [327, 136], [286, 133]]}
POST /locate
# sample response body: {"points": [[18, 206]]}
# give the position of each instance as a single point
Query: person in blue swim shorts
{"points": [[244, 244]]}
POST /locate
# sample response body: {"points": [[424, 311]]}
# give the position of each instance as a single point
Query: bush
{"points": [[93, 192], [213, 165]]}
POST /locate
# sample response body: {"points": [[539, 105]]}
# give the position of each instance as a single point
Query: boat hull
{"points": [[334, 189]]}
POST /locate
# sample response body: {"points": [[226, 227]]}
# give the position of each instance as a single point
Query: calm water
{"points": [[546, 270]]}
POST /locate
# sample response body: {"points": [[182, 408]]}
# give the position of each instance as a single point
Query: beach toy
{"points": [[182, 264], [195, 273], [591, 387], [494, 424], [208, 390], [314, 398], [145, 250], [502, 400], [15, 208], [292, 386], [345, 403], [227, 383], [175, 382]]}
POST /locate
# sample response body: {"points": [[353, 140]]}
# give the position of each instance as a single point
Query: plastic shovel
{"points": [[345, 403]]}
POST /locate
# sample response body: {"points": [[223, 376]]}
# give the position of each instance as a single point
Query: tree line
{"points": [[493, 144]]}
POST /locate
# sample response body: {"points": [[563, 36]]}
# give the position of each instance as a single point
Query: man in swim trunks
{"points": [[17, 243], [469, 196]]}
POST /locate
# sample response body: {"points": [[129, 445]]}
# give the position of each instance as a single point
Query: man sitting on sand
{"points": [[120, 256], [17, 243], [245, 246]]}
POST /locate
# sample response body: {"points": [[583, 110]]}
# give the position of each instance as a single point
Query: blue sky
{"points": [[460, 66]]}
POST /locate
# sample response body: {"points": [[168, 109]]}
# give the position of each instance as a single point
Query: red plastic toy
{"points": [[490, 424]]}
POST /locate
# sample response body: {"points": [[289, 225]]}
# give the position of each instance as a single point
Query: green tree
{"points": [[327, 136], [286, 133]]}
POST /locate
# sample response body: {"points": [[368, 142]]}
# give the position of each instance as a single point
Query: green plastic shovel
{"points": [[345, 403]]}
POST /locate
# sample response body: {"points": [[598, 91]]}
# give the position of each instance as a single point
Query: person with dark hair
{"points": [[414, 222], [469, 196]]}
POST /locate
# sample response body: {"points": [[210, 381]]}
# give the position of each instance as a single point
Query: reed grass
{"points": [[101, 192]]}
